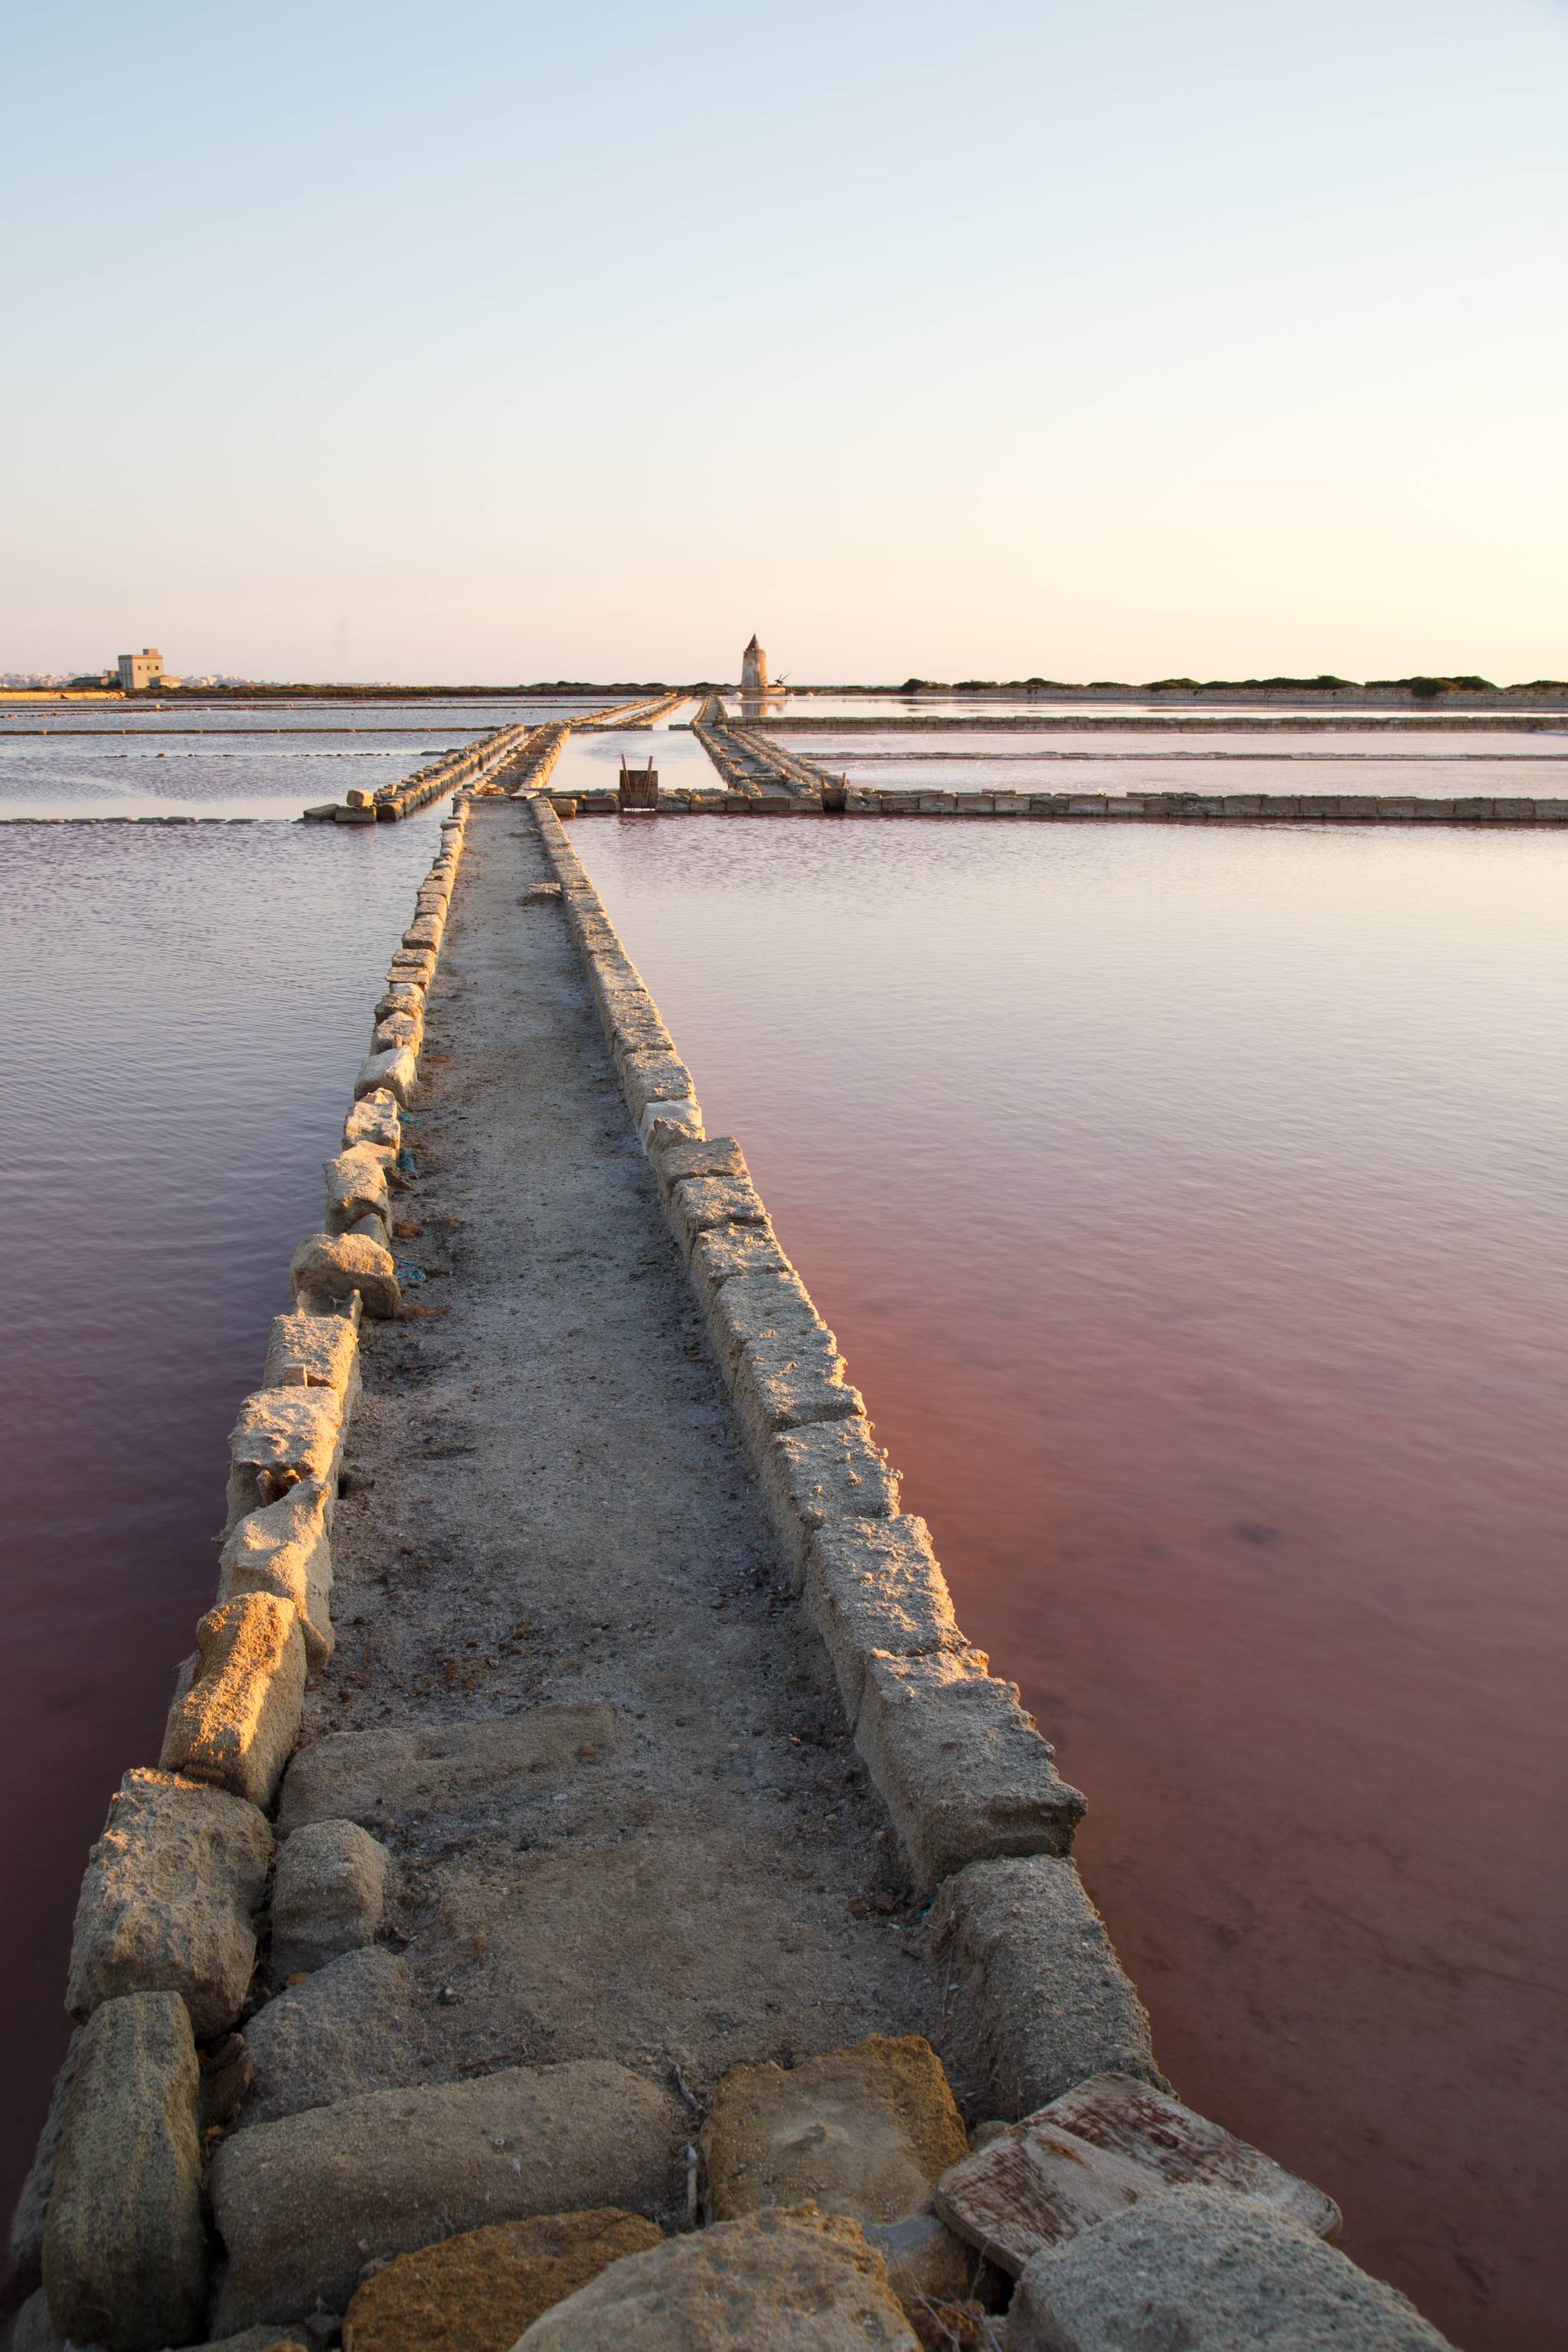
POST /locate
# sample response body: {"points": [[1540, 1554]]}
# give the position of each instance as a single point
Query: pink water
{"points": [[1190, 1208], [185, 1014]]}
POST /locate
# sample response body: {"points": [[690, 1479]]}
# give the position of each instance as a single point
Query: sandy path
{"points": [[548, 1510]]}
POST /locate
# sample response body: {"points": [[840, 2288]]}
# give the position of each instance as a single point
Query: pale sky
{"points": [[490, 342]]}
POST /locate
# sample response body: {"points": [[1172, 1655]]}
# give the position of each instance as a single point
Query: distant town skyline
{"points": [[1111, 343]]}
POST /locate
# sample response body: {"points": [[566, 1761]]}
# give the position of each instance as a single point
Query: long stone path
{"points": [[547, 1508]]}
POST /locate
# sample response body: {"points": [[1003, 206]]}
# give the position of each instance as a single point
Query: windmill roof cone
{"points": [[754, 669]]}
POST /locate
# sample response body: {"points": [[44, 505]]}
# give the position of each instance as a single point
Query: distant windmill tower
{"points": [[754, 669]]}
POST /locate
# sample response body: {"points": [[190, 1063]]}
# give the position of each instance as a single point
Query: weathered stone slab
{"points": [[863, 2131], [400, 996], [654, 1077], [789, 2282], [284, 1549], [329, 1267], [785, 1383], [302, 2204], [766, 1312], [425, 931], [477, 2293], [873, 1585], [329, 1893], [1180, 2148], [698, 1203], [960, 1766], [723, 1251], [26, 2243], [1035, 2186], [681, 1115], [237, 1722], [420, 961], [395, 1072], [313, 1351], [823, 1472], [1190, 2268], [370, 1777], [676, 1157], [340, 2032], [1036, 1998], [170, 1899], [356, 1187], [281, 1436], [394, 1030], [125, 2256], [374, 1123]]}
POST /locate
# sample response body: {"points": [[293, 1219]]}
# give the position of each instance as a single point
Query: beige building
{"points": [[138, 671]]}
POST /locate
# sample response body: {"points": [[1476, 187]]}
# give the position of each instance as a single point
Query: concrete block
{"points": [[285, 1548], [873, 1586], [343, 2031], [331, 1268], [1185, 2270], [302, 2204], [789, 2282], [1037, 2000], [237, 1723], [397, 1070], [698, 1203], [331, 1891], [170, 1899], [313, 1351], [281, 1436], [125, 2256], [828, 1471], [862, 2131], [960, 1766], [485, 2286], [722, 1252]]}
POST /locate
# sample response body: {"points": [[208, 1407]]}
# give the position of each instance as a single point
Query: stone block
{"points": [[400, 996], [762, 1312], [331, 1892], [394, 1030], [396, 1071], [425, 931], [26, 2243], [477, 2293], [655, 1078], [1037, 2000], [335, 1266], [699, 1204], [343, 2031], [170, 1899], [419, 962], [722, 1252], [1188, 2268], [789, 2282], [125, 2256], [1032, 2187], [863, 2131], [237, 1722], [828, 1471], [285, 1548], [313, 1351], [786, 1381], [281, 1436], [356, 1187], [873, 1586], [302, 2204], [464, 1772], [1177, 2147], [960, 1766], [681, 1115], [373, 1120], [675, 1157]]}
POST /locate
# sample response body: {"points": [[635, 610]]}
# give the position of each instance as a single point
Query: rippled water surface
{"points": [[1191, 1209], [185, 1014]]}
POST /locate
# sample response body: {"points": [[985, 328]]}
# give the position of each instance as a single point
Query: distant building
{"points": [[754, 669], [138, 671]]}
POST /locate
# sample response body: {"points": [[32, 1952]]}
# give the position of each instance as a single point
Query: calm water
{"points": [[1190, 1208], [286, 717], [186, 1012]]}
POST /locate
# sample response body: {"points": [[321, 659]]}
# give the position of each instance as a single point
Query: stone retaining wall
{"points": [[1037, 2002], [111, 2221]]}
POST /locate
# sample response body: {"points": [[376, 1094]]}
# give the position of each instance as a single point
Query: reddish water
{"points": [[1190, 1206], [185, 1014]]}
